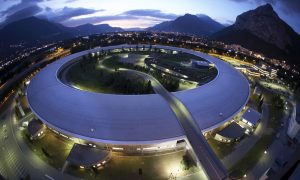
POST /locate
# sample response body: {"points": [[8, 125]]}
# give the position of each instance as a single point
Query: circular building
{"points": [[133, 122]]}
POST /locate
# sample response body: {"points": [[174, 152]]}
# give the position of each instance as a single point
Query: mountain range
{"points": [[260, 30], [33, 29]]}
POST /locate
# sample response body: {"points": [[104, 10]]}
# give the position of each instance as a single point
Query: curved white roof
{"points": [[133, 119]]}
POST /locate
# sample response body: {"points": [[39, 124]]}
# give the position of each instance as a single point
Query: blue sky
{"points": [[140, 13]]}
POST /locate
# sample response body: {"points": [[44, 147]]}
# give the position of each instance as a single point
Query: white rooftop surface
{"points": [[133, 119], [251, 116]]}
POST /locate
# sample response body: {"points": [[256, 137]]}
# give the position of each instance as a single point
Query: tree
{"points": [[149, 87]]}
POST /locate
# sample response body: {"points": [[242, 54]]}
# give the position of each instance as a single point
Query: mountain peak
{"points": [[266, 7], [190, 24], [264, 23], [188, 15], [262, 30]]}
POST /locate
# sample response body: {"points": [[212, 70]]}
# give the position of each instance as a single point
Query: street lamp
{"points": [[265, 152]]}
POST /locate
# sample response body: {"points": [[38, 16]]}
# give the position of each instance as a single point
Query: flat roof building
{"points": [[133, 119], [140, 121], [86, 156], [230, 133], [251, 117]]}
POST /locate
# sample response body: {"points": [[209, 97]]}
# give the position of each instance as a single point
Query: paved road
{"points": [[11, 164], [213, 167]]}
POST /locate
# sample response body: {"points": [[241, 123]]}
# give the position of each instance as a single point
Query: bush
{"points": [[187, 161]]}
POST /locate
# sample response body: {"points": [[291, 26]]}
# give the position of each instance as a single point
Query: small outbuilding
{"points": [[36, 129], [251, 117], [230, 133], [86, 156]]}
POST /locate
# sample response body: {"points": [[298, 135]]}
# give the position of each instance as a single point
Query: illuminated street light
{"points": [[265, 152]]}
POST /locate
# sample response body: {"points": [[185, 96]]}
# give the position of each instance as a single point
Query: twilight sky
{"points": [[139, 13]]}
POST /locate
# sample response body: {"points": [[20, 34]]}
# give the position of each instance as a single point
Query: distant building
{"points": [[251, 118], [294, 122], [265, 71]]}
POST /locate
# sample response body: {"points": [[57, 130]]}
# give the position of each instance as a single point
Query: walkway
{"points": [[213, 167]]}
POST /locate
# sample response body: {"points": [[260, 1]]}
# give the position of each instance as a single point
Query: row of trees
{"points": [[125, 85]]}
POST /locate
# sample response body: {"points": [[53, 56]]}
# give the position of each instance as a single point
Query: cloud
{"points": [[19, 6], [23, 13], [150, 12], [21, 10], [287, 6], [147, 17], [97, 19], [69, 1], [290, 6], [66, 13]]}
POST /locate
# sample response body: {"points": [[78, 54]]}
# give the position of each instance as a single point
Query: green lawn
{"points": [[276, 114], [252, 157], [49, 148]]}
